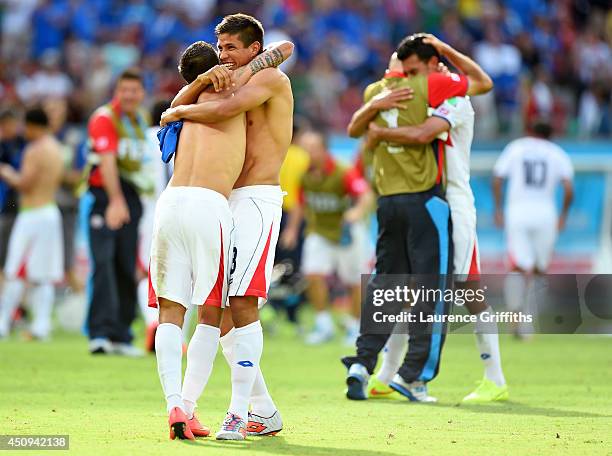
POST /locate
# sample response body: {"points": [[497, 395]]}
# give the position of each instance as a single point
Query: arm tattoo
{"points": [[269, 59]]}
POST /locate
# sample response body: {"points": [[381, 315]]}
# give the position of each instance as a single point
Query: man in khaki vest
{"points": [[333, 199], [413, 216]]}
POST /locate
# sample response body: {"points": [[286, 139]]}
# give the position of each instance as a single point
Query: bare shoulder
{"points": [[51, 143], [31, 155], [47, 149], [207, 95], [30, 149], [271, 77], [279, 84], [284, 79]]}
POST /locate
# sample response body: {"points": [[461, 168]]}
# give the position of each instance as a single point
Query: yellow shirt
{"points": [[295, 165]]}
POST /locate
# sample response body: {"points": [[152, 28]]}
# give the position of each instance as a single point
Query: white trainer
{"points": [[260, 425], [100, 346], [415, 391], [319, 336], [127, 350], [233, 428]]}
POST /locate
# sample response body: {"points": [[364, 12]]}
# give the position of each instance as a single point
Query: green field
{"points": [[560, 391]]}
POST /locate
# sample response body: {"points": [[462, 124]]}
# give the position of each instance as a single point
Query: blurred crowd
{"points": [[547, 58]]}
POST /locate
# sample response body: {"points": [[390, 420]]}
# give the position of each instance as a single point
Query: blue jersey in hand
{"points": [[168, 137]]}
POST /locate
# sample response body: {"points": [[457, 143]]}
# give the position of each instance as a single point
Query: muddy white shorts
{"points": [[190, 247], [257, 211], [36, 246], [321, 256], [145, 232], [465, 243]]}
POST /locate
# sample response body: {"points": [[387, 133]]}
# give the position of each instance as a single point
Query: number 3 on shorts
{"points": [[234, 254]]}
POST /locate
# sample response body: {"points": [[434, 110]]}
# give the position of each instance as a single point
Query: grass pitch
{"points": [[560, 402]]}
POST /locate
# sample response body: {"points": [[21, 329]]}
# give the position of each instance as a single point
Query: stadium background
{"points": [[550, 59], [547, 58]]}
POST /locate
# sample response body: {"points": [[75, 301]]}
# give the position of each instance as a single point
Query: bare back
{"points": [[269, 130], [43, 162], [210, 156]]}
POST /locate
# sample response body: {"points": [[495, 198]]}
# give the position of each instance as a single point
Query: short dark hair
{"points": [[158, 109], [247, 27], [413, 45], [541, 128], [37, 116], [131, 74], [197, 59]]}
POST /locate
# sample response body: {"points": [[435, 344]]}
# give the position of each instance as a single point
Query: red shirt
{"points": [[441, 87], [103, 138]]}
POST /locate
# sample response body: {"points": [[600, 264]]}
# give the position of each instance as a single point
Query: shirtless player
{"points": [[36, 246], [256, 206], [191, 240]]}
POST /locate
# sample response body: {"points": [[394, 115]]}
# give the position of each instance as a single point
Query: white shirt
{"points": [[498, 59], [534, 167], [459, 113], [161, 171]]}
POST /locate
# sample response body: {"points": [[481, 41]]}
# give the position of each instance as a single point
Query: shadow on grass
{"points": [[278, 445], [517, 408]]}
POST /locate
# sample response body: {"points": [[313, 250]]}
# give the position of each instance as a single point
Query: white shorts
{"points": [[257, 211], [321, 256], [145, 232], [531, 239], [466, 259], [190, 247], [36, 246]]}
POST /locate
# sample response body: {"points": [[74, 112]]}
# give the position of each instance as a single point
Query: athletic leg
{"points": [[318, 261], [169, 352]]}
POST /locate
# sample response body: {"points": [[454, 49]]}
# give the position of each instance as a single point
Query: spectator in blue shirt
{"points": [[12, 145]]}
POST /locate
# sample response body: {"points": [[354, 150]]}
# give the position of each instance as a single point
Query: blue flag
{"points": [[168, 137]]}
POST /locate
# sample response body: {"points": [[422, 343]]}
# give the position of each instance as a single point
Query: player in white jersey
{"points": [[533, 167], [452, 122]]}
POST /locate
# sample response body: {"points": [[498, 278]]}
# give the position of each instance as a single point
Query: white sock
{"points": [[248, 345], [200, 358], [11, 295], [169, 353], [536, 293], [515, 291], [149, 314], [261, 401], [191, 311], [352, 325], [227, 346], [324, 322], [487, 341], [392, 357], [41, 302]]}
